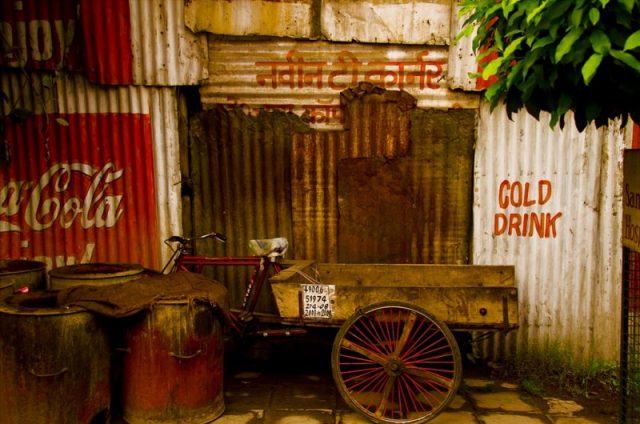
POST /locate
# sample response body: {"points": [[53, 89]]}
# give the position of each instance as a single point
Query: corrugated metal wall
{"points": [[121, 43], [115, 42], [443, 147], [434, 153], [284, 18], [272, 176], [315, 194], [568, 283], [307, 77], [141, 42], [568, 269], [240, 169], [165, 51], [462, 59], [133, 129], [378, 122], [76, 95]]}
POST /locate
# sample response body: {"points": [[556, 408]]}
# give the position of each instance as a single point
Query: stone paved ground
{"points": [[280, 397], [291, 383]]}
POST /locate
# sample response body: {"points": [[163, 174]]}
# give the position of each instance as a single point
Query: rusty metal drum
{"points": [[17, 274], [54, 363], [94, 274], [6, 289], [173, 365]]}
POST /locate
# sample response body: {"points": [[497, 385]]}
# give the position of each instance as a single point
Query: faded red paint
{"points": [[79, 35], [106, 35], [84, 195], [635, 143], [39, 34], [158, 385]]}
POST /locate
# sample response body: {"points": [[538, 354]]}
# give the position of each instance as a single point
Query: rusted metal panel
{"points": [[307, 77], [240, 171], [549, 202], [443, 144], [384, 21], [89, 177], [314, 201], [342, 184], [54, 364], [378, 122], [367, 222], [173, 368], [378, 209], [316, 157], [142, 42], [461, 295], [282, 18]]}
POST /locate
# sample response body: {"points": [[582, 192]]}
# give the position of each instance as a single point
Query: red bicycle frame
{"points": [[262, 268]]}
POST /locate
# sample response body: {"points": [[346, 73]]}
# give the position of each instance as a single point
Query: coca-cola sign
{"points": [[91, 200], [29, 202]]}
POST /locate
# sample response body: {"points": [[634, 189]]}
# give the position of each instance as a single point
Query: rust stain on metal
{"points": [[314, 201], [333, 194], [173, 370], [398, 168], [307, 78], [377, 122], [285, 18], [241, 173], [54, 363]]}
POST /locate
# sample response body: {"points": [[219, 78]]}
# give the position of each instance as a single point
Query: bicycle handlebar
{"points": [[184, 240], [221, 237]]}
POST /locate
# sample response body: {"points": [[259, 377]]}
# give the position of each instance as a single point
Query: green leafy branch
{"points": [[558, 56]]}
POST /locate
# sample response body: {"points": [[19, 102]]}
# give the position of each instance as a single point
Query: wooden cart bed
{"points": [[463, 296]]}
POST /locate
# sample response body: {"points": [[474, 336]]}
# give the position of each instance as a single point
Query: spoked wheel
{"points": [[396, 363]]}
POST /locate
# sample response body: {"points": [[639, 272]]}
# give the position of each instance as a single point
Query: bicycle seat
{"points": [[271, 248]]}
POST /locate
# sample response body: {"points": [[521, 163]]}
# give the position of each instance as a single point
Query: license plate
{"points": [[317, 300]]}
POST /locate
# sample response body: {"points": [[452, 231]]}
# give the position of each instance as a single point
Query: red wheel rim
{"points": [[396, 364]]}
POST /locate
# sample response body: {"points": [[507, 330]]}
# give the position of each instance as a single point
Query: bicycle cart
{"points": [[394, 358]]}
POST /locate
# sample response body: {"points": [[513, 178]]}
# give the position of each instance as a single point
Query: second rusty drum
{"points": [[172, 366]]}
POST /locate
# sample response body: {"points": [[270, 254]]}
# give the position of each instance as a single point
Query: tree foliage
{"points": [[559, 56]]}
